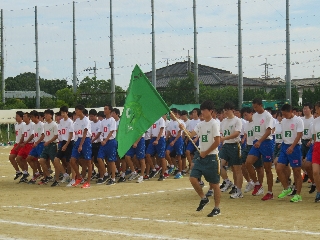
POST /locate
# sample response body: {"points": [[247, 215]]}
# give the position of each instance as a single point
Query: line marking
{"points": [[76, 229], [174, 221], [111, 197]]}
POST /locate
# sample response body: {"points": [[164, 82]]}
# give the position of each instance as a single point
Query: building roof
{"points": [[26, 94]]}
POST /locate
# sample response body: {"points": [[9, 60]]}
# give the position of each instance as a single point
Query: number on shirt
{"points": [[63, 131], [105, 129], [17, 132], [36, 134], [174, 132], [250, 133], [25, 134], [226, 132], [154, 126], [305, 132], [318, 135], [287, 133], [93, 135], [80, 132], [278, 136], [204, 138], [48, 133], [257, 128]]}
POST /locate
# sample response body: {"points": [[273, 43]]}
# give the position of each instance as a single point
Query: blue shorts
{"points": [[309, 154], [86, 152], [36, 152], [243, 145], [158, 149], [265, 150], [109, 151], [139, 151], [177, 147], [190, 147], [295, 158]]}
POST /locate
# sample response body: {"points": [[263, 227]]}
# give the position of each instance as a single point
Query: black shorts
{"points": [[65, 154], [95, 150]]}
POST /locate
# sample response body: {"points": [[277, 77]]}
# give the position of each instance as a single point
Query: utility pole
{"points": [[240, 72], [37, 60], [154, 75], [113, 87], [266, 69], [288, 70], [196, 82], [2, 62], [94, 70], [74, 50]]}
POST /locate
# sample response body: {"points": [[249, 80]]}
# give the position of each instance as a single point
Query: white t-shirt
{"points": [[108, 125], [307, 127], [278, 132], [207, 131], [187, 123], [95, 129], [155, 128], [249, 129], [18, 129], [80, 125], [64, 128], [290, 128], [27, 131], [174, 129], [117, 124], [38, 130], [274, 124], [50, 130], [243, 124], [192, 124], [148, 134], [262, 122], [316, 128], [229, 126]]}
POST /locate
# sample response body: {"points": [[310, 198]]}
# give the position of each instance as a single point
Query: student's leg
{"points": [[223, 171], [316, 175], [269, 174], [58, 168], [308, 167], [74, 165], [44, 166], [251, 159], [195, 184], [297, 179], [12, 159], [216, 194], [237, 176], [282, 175]]}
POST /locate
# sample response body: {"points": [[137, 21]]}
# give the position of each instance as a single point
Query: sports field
{"points": [[150, 210]]}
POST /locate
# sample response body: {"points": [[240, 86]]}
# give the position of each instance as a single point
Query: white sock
{"points": [[156, 166], [257, 183], [172, 166], [123, 175], [66, 175]]}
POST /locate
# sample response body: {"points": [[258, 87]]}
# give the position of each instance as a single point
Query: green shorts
{"points": [[208, 167], [49, 152], [244, 155], [231, 152]]}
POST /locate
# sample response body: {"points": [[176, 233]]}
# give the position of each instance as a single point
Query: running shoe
{"points": [[201, 184], [171, 169], [312, 189], [166, 175], [268, 196], [32, 181], [100, 181], [296, 198], [226, 187], [161, 178], [19, 174], [209, 193], [77, 182], [55, 183], [133, 176], [277, 180], [223, 184], [178, 176], [202, 204], [146, 177], [258, 190], [214, 212], [122, 179], [285, 192], [317, 198], [294, 192], [152, 174], [110, 182], [158, 170], [140, 179], [236, 195], [65, 179], [71, 183], [86, 185], [249, 187], [233, 190], [305, 177]]}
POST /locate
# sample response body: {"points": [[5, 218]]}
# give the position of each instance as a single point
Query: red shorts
{"points": [[13, 151], [316, 153], [24, 151]]}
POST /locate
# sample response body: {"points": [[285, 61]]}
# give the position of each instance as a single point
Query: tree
{"points": [[66, 96]]}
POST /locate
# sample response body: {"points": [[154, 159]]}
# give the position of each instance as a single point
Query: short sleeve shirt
{"points": [[50, 130], [290, 128], [262, 122]]}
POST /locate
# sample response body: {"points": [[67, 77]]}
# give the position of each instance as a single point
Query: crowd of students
{"points": [[82, 148]]}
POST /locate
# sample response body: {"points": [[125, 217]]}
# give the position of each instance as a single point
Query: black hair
{"points": [[293, 109], [34, 113], [64, 109], [208, 104], [28, 114], [49, 111], [41, 114], [58, 113], [220, 111], [307, 104], [174, 110], [273, 112], [179, 112], [184, 112], [79, 107], [70, 115], [246, 110], [20, 113], [85, 111], [116, 111], [197, 110], [93, 112], [109, 106], [279, 113], [228, 106], [73, 113], [101, 114], [257, 101], [286, 108]]}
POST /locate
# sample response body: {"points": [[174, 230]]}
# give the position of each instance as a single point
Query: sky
{"points": [[263, 36]]}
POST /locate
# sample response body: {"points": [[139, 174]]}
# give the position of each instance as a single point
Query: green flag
{"points": [[143, 107]]}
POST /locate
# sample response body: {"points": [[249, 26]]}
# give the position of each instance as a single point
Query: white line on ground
{"points": [[111, 197], [2, 237], [92, 230], [306, 232]]}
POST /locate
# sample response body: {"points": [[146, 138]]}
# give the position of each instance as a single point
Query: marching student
{"points": [[316, 151], [262, 146], [206, 162], [231, 150], [50, 145], [82, 147], [16, 147], [26, 144], [290, 153], [65, 146]]}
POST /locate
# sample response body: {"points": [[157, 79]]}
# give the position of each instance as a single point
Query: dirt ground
{"points": [[150, 210]]}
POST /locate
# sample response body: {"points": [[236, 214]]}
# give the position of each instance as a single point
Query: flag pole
{"points": [[185, 131]]}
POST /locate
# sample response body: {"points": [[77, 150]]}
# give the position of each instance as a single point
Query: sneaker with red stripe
{"points": [[77, 182], [258, 190], [166, 175], [86, 185], [268, 196]]}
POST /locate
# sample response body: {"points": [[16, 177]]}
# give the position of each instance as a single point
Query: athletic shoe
{"points": [[128, 172], [118, 175], [201, 184], [289, 181], [50, 179], [77, 182], [65, 179], [60, 176], [110, 182], [23, 180], [215, 212], [249, 187], [86, 185], [100, 181], [258, 190], [202, 204], [178, 176], [294, 192], [209, 193], [309, 181], [161, 178], [166, 175], [158, 170], [236, 195], [71, 183], [133, 176], [184, 173], [317, 198], [50, 170], [19, 174], [223, 184], [175, 172], [32, 181], [171, 169], [285, 192], [268, 196], [277, 180], [105, 178], [312, 189], [82, 181], [140, 179], [233, 190], [54, 184], [146, 177], [95, 176], [122, 179], [44, 181], [152, 174], [296, 198], [226, 187], [305, 177]]}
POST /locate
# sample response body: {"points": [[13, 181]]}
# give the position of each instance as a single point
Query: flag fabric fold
{"points": [[143, 107]]}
